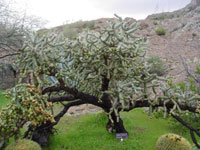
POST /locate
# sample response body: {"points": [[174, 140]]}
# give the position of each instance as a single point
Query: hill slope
{"points": [[182, 37]]}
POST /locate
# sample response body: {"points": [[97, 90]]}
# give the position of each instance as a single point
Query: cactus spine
{"points": [[172, 142]]}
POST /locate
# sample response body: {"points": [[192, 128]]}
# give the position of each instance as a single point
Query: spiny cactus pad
{"points": [[172, 142], [23, 144]]}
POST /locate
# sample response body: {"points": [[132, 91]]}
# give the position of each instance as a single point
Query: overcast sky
{"points": [[58, 12]]}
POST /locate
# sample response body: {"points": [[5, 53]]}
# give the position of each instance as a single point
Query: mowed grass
{"points": [[87, 132], [3, 100]]}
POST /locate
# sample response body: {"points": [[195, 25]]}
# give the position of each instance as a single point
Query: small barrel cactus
{"points": [[172, 142], [23, 144]]}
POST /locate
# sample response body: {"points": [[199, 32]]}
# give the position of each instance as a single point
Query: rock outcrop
{"points": [[195, 3], [7, 76]]}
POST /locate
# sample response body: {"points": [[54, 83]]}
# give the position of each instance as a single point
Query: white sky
{"points": [[58, 12]]}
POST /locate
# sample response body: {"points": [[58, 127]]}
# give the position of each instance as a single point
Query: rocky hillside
{"points": [[182, 38]]}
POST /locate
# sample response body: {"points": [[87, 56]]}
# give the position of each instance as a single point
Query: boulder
{"points": [[7, 76]]}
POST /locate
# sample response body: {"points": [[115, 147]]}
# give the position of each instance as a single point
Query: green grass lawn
{"points": [[87, 132]]}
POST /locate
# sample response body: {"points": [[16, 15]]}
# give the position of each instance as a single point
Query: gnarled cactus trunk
{"points": [[115, 126]]}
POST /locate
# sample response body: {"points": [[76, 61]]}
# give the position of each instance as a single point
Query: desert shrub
{"points": [[164, 16], [160, 113], [161, 17], [194, 34], [157, 66], [82, 24], [71, 30], [155, 23], [23, 144], [90, 25], [160, 31], [188, 117]]}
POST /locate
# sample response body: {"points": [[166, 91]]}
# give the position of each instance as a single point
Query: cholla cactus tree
{"points": [[107, 69]]}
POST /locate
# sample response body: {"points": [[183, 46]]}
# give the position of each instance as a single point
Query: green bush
{"points": [[157, 66], [194, 34], [70, 33], [23, 144], [155, 23], [160, 113], [71, 30], [160, 31], [164, 16], [190, 118], [161, 17], [101, 115]]}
